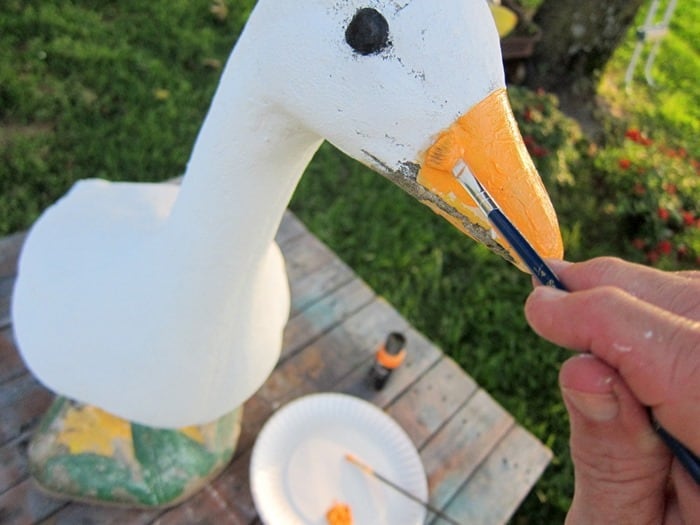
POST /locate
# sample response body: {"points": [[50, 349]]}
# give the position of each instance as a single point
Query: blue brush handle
{"points": [[524, 250], [689, 460], [546, 276]]}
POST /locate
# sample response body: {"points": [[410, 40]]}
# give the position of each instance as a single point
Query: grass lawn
{"points": [[118, 90], [671, 108]]}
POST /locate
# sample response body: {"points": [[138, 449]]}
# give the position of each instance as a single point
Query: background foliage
{"points": [[119, 90]]}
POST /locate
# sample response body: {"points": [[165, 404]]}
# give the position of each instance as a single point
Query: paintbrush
{"points": [[371, 472], [547, 277], [542, 272]]}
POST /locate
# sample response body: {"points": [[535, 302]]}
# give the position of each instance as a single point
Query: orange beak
{"points": [[487, 139]]}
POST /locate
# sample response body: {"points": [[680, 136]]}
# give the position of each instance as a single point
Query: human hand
{"points": [[640, 329]]}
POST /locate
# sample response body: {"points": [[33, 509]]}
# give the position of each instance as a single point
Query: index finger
{"points": [[677, 292], [655, 351]]}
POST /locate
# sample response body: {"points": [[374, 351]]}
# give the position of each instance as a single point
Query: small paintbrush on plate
{"points": [[371, 472]]}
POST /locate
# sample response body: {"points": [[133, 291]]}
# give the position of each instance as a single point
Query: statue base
{"points": [[81, 452]]}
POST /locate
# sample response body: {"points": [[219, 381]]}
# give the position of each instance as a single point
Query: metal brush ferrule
{"points": [[477, 192]]}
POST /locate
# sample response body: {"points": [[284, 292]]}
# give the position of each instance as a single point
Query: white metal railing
{"points": [[650, 32]]}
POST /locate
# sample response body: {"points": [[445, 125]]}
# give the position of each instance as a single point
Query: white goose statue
{"points": [[164, 306]]}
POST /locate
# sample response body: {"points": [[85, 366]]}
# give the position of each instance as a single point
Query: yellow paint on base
{"points": [[88, 429], [195, 433]]}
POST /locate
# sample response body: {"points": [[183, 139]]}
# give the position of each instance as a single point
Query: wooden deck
{"points": [[479, 463]]}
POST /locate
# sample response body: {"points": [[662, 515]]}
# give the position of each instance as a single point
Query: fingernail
{"points": [[596, 407], [548, 293], [558, 265]]}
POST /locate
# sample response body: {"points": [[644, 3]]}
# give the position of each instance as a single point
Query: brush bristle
{"points": [[441, 154], [355, 461]]}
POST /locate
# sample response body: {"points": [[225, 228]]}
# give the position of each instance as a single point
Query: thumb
{"points": [[621, 467]]}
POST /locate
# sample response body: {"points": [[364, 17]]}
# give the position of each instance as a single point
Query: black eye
{"points": [[368, 33]]}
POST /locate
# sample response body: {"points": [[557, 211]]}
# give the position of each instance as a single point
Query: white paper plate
{"points": [[298, 468]]}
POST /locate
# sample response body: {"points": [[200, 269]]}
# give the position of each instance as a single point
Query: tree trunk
{"points": [[578, 38]]}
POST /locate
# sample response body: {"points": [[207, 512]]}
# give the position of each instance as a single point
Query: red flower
{"points": [[671, 189], [534, 148], [688, 218], [665, 247], [639, 244], [663, 214], [527, 115], [625, 163], [633, 134], [639, 188], [653, 256], [539, 151], [636, 136]]}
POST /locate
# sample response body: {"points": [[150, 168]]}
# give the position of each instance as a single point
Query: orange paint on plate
{"points": [[339, 514]]}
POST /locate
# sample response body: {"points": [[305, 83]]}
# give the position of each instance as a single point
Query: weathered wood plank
{"points": [[14, 464], [22, 402], [290, 228], [226, 499], [305, 255], [299, 376], [25, 504], [369, 327], [325, 361], [206, 507], [255, 412], [8, 334], [432, 400], [502, 481], [458, 449], [324, 314], [83, 514], [11, 364], [9, 253], [6, 287], [313, 271], [234, 487], [310, 288], [421, 356]]}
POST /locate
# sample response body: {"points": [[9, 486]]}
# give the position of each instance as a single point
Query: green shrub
{"points": [[562, 156], [650, 191]]}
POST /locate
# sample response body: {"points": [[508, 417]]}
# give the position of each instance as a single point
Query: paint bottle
{"points": [[389, 357]]}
